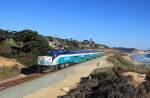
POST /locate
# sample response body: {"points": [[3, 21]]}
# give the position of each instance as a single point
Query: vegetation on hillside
{"points": [[126, 50], [24, 45], [110, 83], [125, 60]]}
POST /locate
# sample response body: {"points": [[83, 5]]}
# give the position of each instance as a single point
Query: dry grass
{"points": [[9, 62]]}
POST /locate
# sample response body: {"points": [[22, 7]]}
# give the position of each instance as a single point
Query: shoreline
{"points": [[140, 58]]}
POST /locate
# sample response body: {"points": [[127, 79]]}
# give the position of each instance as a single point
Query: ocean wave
{"points": [[142, 58]]}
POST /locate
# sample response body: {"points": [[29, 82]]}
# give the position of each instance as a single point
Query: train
{"points": [[59, 59]]}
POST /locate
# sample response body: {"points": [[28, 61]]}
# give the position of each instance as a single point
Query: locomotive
{"points": [[61, 58]]}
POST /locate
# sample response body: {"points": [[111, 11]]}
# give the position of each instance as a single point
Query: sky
{"points": [[117, 23]]}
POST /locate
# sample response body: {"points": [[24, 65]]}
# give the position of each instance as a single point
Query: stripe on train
{"points": [[71, 58]]}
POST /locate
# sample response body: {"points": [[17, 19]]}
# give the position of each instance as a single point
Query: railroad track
{"points": [[19, 80]]}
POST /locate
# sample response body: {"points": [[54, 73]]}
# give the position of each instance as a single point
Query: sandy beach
{"points": [[71, 80]]}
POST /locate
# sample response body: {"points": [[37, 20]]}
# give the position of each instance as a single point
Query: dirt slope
{"points": [[9, 62]]}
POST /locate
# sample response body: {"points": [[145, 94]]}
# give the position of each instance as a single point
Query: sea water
{"points": [[147, 55], [142, 58]]}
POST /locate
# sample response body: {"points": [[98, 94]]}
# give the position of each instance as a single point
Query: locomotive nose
{"points": [[44, 60]]}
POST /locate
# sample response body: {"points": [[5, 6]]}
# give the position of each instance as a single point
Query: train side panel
{"points": [[65, 59], [75, 58]]}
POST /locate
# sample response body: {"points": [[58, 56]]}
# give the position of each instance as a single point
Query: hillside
{"points": [[112, 83], [126, 50], [9, 68], [148, 51], [26, 45], [10, 63]]}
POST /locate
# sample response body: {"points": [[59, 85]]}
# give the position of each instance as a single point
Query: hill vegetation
{"points": [[110, 83], [119, 59], [126, 50]]}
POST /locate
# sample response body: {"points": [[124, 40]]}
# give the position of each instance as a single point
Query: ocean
{"points": [[142, 58], [147, 55]]}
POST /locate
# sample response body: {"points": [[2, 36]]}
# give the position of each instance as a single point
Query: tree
{"points": [[86, 42], [75, 43], [32, 40], [25, 36]]}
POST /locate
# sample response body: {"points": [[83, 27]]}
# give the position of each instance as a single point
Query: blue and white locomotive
{"points": [[62, 58]]}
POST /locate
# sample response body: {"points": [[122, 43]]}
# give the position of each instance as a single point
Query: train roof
{"points": [[72, 51], [82, 51], [57, 52]]}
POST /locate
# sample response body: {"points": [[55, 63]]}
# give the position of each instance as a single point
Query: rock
{"points": [[66, 89]]}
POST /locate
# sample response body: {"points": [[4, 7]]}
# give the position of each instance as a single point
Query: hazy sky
{"points": [[124, 23]]}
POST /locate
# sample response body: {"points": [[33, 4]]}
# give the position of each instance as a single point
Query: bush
{"points": [[110, 84], [28, 59], [119, 70], [8, 72], [147, 76]]}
